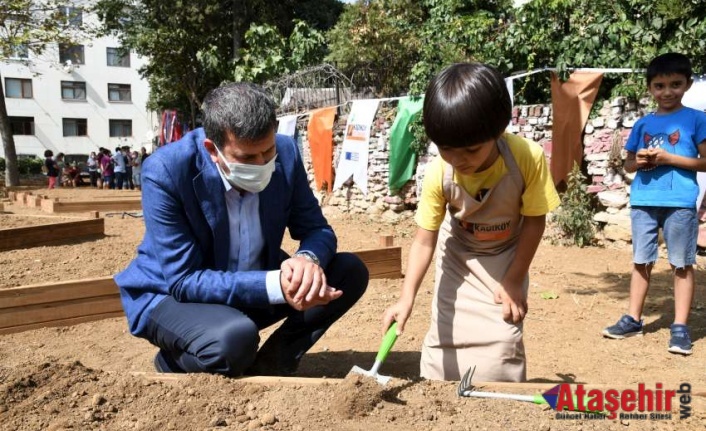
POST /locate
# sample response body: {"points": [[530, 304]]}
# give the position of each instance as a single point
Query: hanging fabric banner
{"points": [[402, 157], [287, 125], [509, 83], [354, 154], [571, 104], [320, 132]]}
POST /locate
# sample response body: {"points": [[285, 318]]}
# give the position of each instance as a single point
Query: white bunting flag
{"points": [[354, 154], [287, 125]]}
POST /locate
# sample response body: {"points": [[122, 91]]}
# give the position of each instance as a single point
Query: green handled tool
{"points": [[387, 342], [465, 389]]}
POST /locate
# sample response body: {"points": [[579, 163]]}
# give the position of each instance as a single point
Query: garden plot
{"points": [[91, 375]]}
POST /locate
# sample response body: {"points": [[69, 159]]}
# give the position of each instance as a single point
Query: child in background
{"points": [[664, 149], [483, 208], [52, 170]]}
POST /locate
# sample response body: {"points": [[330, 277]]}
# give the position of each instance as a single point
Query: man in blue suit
{"points": [[210, 274]]}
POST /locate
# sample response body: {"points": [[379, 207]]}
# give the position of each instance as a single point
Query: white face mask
{"points": [[251, 178]]}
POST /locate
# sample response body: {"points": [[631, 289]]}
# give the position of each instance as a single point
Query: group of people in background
{"points": [[59, 172], [121, 170]]}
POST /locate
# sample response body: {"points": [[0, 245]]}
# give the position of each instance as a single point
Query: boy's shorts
{"points": [[680, 228]]}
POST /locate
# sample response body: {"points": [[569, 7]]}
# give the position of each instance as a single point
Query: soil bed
{"points": [[80, 377]]}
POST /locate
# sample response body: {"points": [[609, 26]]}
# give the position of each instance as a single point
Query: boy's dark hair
{"points": [[48, 153], [466, 104], [242, 108], [669, 64]]}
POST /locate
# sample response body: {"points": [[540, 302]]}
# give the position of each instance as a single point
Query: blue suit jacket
{"points": [[185, 250]]}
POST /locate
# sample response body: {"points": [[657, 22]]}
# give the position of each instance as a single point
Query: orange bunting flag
{"points": [[320, 132], [571, 103]]}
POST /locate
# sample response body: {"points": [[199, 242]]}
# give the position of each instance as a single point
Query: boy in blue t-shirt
{"points": [[664, 148]]}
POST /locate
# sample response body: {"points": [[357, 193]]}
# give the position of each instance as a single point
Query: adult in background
{"points": [[210, 273], [108, 169], [136, 162], [128, 168], [92, 164], [143, 154], [60, 166], [120, 167]]}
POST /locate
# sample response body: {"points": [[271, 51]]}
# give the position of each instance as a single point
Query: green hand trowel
{"points": [[387, 342]]}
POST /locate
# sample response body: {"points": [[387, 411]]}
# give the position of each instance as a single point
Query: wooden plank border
{"points": [[50, 233], [124, 204], [58, 304], [77, 301]]}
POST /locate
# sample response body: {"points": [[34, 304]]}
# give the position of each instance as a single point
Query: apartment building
{"points": [[77, 98]]}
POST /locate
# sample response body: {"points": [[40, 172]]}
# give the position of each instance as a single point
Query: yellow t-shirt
{"points": [[539, 197]]}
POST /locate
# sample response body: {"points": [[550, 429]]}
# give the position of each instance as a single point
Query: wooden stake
{"points": [[386, 241]]}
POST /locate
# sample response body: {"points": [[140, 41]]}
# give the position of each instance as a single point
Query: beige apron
{"points": [[476, 245]]}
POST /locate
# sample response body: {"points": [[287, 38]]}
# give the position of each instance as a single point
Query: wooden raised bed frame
{"points": [[50, 233], [78, 301]]}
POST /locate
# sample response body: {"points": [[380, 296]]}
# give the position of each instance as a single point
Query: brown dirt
{"points": [[81, 377]]}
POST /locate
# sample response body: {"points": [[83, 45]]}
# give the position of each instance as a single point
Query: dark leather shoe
{"points": [[164, 364], [270, 362]]}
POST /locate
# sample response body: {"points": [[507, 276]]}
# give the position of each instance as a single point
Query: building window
{"points": [[118, 57], [119, 93], [18, 88], [120, 128], [19, 52], [75, 127], [73, 16], [22, 125], [73, 90], [72, 53]]}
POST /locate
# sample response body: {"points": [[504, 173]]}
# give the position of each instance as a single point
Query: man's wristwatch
{"points": [[308, 256]]}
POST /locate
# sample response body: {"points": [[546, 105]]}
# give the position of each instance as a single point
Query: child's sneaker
{"points": [[626, 327], [680, 342]]}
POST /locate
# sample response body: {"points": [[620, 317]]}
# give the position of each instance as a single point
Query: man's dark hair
{"points": [[241, 108], [466, 104], [670, 63], [48, 153]]}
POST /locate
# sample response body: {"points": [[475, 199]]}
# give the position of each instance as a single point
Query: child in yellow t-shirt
{"points": [[483, 208]]}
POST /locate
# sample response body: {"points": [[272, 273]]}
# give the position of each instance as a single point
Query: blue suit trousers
{"points": [[215, 338]]}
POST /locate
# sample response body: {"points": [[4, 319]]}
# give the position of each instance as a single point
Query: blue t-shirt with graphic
{"points": [[678, 133]]}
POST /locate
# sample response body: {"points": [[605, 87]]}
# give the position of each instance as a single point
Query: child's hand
{"points": [[399, 312], [644, 160], [658, 156], [514, 301]]}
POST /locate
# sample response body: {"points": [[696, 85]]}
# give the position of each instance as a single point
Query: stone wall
{"points": [[605, 135]]}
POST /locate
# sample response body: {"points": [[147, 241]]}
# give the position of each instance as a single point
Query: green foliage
{"points": [[2, 164], [30, 165], [376, 43], [575, 215], [269, 54], [455, 31], [416, 39], [33, 25], [194, 46]]}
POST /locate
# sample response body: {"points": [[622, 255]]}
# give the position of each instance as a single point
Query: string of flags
{"points": [[353, 162]]}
